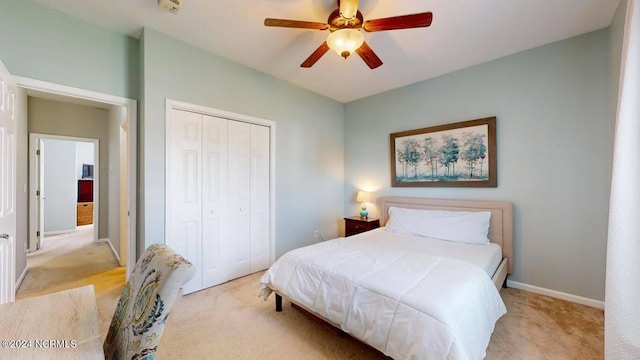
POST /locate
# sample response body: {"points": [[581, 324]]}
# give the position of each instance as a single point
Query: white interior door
{"points": [[7, 186], [260, 214], [222, 168], [239, 167], [60, 182], [214, 206], [184, 195]]}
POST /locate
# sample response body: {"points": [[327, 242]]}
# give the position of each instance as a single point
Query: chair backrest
{"points": [[141, 313]]}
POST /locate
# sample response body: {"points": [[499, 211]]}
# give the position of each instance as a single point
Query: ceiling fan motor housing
{"points": [[336, 21], [172, 6]]}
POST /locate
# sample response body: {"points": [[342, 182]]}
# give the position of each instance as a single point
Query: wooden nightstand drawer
{"points": [[356, 225]]}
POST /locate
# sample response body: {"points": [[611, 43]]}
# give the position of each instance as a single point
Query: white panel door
{"points": [[214, 200], [239, 167], [218, 196], [259, 197], [60, 181], [184, 195], [7, 186]]}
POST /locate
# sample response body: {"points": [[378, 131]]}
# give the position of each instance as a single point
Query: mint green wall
{"points": [[50, 46], [616, 36], [309, 130], [47, 45], [553, 104], [554, 151]]}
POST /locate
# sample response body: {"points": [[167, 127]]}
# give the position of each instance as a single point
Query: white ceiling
{"points": [[463, 33]]}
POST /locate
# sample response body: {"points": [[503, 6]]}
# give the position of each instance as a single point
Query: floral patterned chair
{"points": [[144, 305]]}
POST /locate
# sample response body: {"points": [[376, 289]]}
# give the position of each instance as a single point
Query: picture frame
{"points": [[461, 154]]}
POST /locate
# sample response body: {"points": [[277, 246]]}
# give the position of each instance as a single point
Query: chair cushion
{"points": [[143, 308]]}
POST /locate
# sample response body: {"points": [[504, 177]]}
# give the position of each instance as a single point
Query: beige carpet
{"points": [[229, 321], [71, 260]]}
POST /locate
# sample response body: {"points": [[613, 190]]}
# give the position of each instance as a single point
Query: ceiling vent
{"points": [[172, 6]]}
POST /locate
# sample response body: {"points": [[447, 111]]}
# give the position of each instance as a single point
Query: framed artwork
{"points": [[461, 154]]}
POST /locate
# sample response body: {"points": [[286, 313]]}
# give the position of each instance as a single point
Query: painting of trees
{"points": [[448, 154], [474, 152], [410, 155], [430, 155], [460, 154]]}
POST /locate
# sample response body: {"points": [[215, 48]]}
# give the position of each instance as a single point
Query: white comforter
{"points": [[407, 305]]}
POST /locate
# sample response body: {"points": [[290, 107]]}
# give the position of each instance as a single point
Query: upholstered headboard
{"points": [[500, 227]]}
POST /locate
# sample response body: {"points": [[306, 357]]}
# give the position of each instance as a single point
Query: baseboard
{"points": [[113, 250], [21, 278], [50, 233], [556, 294]]}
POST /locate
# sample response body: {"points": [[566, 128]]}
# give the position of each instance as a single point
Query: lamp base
{"points": [[364, 213]]}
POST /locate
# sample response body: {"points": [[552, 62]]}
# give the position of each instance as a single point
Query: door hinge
{"points": [[37, 233], [37, 192], [38, 152]]}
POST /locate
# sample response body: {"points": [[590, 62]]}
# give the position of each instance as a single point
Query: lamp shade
{"points": [[363, 196], [345, 41]]}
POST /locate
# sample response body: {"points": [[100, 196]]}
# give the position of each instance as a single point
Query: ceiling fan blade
{"points": [[369, 57], [295, 24], [315, 56], [399, 22], [348, 8]]}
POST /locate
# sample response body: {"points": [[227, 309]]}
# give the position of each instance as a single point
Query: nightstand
{"points": [[356, 225]]}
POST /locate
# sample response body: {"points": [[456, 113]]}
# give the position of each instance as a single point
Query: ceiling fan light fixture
{"points": [[345, 41]]}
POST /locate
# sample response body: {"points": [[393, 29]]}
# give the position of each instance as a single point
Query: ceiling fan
{"points": [[345, 24]]}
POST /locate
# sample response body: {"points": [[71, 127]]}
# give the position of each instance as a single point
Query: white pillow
{"points": [[471, 227]]}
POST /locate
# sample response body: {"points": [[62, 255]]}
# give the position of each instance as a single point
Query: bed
{"points": [[408, 296]]}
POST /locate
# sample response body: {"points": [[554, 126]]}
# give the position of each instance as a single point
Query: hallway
{"points": [[71, 260]]}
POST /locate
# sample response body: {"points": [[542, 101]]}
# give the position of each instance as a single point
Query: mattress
{"points": [[395, 293]]}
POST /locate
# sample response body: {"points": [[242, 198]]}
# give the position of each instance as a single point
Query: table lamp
{"points": [[363, 197]]}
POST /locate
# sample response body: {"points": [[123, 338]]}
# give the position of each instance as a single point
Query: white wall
{"points": [[60, 185], [553, 146], [85, 154]]}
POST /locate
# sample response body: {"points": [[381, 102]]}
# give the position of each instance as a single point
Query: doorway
{"points": [[125, 111], [59, 167]]}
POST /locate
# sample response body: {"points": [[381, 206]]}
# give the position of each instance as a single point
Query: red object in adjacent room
{"points": [[85, 190]]}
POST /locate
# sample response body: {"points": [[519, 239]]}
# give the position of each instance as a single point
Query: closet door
{"points": [[218, 202], [239, 168], [260, 158], [214, 197], [184, 195]]}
